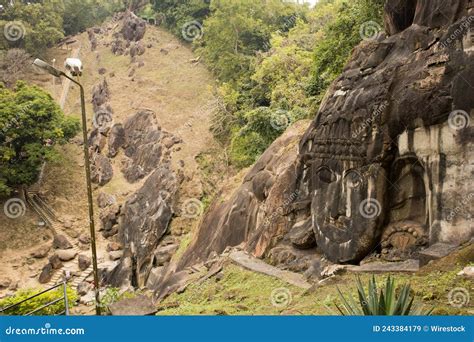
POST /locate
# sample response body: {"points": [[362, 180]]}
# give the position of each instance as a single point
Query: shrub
{"points": [[388, 302], [39, 301], [31, 123]]}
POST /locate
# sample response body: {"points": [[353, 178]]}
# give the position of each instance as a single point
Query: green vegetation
{"points": [[112, 295], [39, 301], [82, 14], [340, 35], [37, 26], [33, 27], [271, 58], [387, 302], [176, 13], [241, 292], [31, 123]]}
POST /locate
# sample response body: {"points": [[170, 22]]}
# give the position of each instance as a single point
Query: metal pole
{"points": [[87, 167], [66, 302]]}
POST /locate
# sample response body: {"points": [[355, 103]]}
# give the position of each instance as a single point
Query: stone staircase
{"points": [[50, 218]]}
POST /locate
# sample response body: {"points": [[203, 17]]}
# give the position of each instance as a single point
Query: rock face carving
{"points": [[384, 166]]}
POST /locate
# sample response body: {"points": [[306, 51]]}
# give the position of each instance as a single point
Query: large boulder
{"points": [[46, 274], [116, 140], [134, 28], [144, 146], [254, 214], [100, 95], [137, 49], [66, 255], [55, 262], [61, 242], [101, 169], [143, 223], [84, 262], [109, 219]]}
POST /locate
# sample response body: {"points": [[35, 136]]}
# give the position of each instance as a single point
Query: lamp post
{"points": [[58, 73]]}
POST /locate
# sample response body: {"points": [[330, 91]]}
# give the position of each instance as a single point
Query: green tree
{"points": [[236, 30], [82, 14], [31, 123], [179, 12], [340, 36], [34, 27]]}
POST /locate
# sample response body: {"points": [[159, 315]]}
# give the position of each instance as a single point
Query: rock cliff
{"points": [[384, 166]]}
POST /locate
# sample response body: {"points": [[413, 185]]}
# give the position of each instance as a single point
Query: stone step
{"points": [[407, 266], [82, 277], [253, 264], [436, 251]]}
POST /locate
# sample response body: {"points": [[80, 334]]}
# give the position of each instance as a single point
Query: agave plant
{"points": [[384, 303]]}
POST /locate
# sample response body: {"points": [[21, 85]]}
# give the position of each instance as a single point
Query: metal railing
{"points": [[63, 298]]}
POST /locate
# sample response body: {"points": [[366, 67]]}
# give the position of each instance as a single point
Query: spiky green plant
{"points": [[385, 302]]}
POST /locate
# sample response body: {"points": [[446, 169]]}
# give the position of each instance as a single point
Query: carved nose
{"points": [[338, 203]]}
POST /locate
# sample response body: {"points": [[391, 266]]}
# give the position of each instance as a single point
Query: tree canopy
{"points": [[37, 25], [31, 123]]}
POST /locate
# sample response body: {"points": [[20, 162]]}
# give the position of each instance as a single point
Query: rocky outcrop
{"points": [[143, 223], [100, 95], [92, 39], [109, 219], [118, 47], [382, 168], [101, 169], [143, 146], [255, 213], [116, 140], [134, 28], [61, 242], [137, 49]]}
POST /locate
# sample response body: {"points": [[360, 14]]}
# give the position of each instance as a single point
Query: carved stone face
{"points": [[347, 211]]}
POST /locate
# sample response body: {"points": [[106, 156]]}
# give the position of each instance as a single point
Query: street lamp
{"points": [[58, 73]]}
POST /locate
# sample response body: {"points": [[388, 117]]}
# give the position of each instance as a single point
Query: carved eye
{"points": [[353, 179], [326, 175]]}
